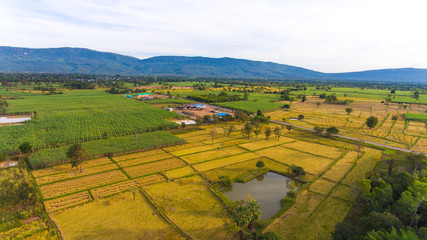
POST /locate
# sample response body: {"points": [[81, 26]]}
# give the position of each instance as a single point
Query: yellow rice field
{"points": [[83, 183], [144, 169], [312, 164], [118, 217], [67, 201], [180, 172], [194, 208], [138, 155], [225, 161], [212, 154]]}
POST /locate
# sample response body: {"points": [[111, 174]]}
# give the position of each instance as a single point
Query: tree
{"points": [[247, 129], [371, 121], [277, 132], [393, 235], [297, 170], [304, 98], [289, 127], [183, 124], [345, 231], [260, 164], [241, 216], [256, 130], [267, 132], [394, 117], [300, 117], [77, 153], [349, 110], [230, 130], [259, 113], [418, 161], [417, 95], [419, 193], [25, 147], [318, 129], [254, 212], [212, 133], [332, 130], [318, 104]]}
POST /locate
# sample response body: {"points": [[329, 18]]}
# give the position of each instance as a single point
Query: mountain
{"points": [[80, 60], [402, 74]]}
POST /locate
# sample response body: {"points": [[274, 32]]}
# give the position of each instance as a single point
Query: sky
{"points": [[322, 35]]}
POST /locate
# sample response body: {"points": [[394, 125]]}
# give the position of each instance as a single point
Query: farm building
{"points": [[143, 94], [129, 96], [186, 122], [222, 114]]}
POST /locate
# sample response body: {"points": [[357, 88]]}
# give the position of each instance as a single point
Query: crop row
{"points": [[224, 161], [138, 155], [67, 201], [144, 160], [54, 156], [112, 189], [78, 184], [153, 167], [72, 173], [61, 130], [67, 167]]}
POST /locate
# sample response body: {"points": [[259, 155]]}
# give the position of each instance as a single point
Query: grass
{"points": [[345, 192], [323, 221], [289, 222], [119, 217], [190, 204], [338, 170], [322, 186]]}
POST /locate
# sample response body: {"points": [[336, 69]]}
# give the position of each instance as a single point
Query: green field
{"points": [[53, 156], [416, 117], [79, 116]]}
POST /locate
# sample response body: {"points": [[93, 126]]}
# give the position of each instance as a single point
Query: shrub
{"points": [[297, 170], [260, 164], [25, 147]]}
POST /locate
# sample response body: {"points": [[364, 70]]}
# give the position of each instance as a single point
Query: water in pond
{"points": [[14, 119], [267, 189]]}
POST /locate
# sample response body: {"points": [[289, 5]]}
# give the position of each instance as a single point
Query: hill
{"points": [[80, 60]]}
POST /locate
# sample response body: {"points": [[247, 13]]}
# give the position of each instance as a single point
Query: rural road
{"points": [[350, 138]]}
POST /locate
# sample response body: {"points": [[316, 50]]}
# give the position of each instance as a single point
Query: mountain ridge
{"points": [[88, 61]]}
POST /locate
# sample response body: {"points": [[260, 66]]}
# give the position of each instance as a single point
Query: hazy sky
{"points": [[323, 35]]}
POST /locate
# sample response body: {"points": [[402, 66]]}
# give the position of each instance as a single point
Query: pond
{"points": [[267, 189], [13, 119]]}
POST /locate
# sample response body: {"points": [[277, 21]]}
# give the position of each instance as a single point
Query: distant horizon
{"points": [[329, 36], [189, 56]]}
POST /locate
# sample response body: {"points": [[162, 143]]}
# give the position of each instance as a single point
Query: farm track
{"points": [[349, 138]]}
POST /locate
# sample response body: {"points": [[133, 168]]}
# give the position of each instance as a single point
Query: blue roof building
{"points": [[222, 114]]}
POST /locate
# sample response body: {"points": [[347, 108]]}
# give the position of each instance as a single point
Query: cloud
{"points": [[324, 35]]}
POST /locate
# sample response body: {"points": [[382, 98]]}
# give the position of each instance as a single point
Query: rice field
{"points": [[191, 205], [175, 183], [123, 216]]}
